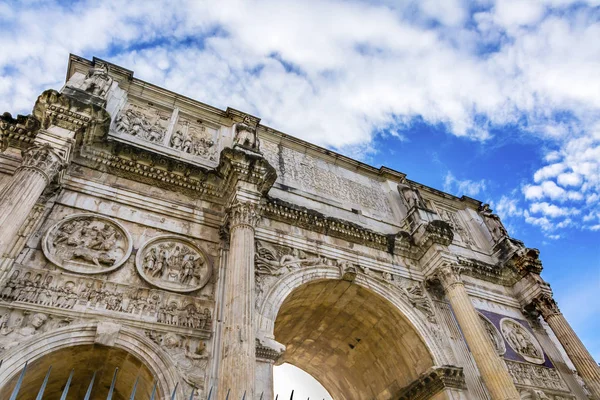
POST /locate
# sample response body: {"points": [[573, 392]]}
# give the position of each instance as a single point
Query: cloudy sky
{"points": [[498, 100]]}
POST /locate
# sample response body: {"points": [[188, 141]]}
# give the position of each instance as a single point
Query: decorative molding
{"points": [[87, 244], [173, 263], [432, 382]]}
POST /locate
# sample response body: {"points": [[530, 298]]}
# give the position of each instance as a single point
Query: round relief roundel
{"points": [[522, 341], [173, 263], [87, 244]]}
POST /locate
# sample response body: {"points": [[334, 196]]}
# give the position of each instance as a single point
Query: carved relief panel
{"points": [[173, 263], [87, 244], [29, 287], [460, 228], [195, 138], [143, 121], [522, 341], [494, 335]]}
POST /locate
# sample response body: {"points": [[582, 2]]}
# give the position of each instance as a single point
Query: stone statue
{"points": [[493, 223], [12, 337], [411, 196], [245, 135], [97, 81]]}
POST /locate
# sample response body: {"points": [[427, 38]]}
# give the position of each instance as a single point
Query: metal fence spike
{"points": [[132, 397], [261, 395], [174, 391], [276, 397], [112, 385], [43, 387], [209, 393], [154, 390], [15, 391], [244, 396], [66, 390], [89, 391], [292, 395], [192, 393], [227, 397]]}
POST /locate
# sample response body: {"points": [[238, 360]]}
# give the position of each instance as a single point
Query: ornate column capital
{"points": [[43, 159], [448, 275], [545, 305], [244, 213]]}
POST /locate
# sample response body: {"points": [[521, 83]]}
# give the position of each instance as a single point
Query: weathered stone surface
{"points": [[195, 248]]}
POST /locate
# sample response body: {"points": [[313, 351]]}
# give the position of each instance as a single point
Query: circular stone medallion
{"points": [[173, 263], [522, 341], [494, 335], [87, 244]]}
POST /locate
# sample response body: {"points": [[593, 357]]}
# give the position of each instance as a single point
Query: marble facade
{"points": [[196, 248]]}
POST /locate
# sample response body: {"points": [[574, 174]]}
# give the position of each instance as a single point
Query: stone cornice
{"points": [[18, 131], [432, 382], [280, 210]]}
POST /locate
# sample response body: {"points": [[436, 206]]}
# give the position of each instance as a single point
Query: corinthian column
{"points": [[581, 358], [38, 168], [238, 358], [493, 371]]}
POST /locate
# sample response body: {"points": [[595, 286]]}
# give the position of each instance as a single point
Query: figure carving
{"points": [[416, 296], [53, 289], [411, 196], [522, 341], [97, 81], [136, 121], [269, 260], [191, 359], [245, 135], [87, 244], [12, 337], [535, 375], [494, 335], [493, 223], [173, 263]]}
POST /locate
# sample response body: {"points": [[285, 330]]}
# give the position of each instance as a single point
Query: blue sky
{"points": [[494, 99]]}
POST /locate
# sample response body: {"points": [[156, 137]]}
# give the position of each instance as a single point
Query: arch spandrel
{"points": [[131, 346]]}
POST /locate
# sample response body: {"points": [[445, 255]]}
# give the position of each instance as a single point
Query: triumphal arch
{"points": [[194, 249]]}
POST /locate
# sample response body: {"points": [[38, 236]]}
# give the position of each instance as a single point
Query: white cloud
{"points": [[552, 211], [337, 73], [463, 187]]}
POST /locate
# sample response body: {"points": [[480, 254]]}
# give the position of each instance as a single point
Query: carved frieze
{"points": [[522, 341], [87, 244], [94, 296], [173, 263], [195, 139], [536, 376], [147, 123]]}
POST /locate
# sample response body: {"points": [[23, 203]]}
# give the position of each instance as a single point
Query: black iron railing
{"points": [[90, 388]]}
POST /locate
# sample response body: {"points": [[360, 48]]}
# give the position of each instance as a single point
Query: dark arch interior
{"points": [[85, 360], [353, 341]]}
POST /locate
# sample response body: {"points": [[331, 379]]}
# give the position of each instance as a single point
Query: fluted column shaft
{"points": [[494, 373], [582, 360], [238, 358], [39, 166]]}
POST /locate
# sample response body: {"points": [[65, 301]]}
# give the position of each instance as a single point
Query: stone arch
{"points": [[82, 336], [419, 331]]}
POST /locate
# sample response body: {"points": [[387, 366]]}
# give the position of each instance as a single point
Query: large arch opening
{"points": [[85, 360], [356, 343]]}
